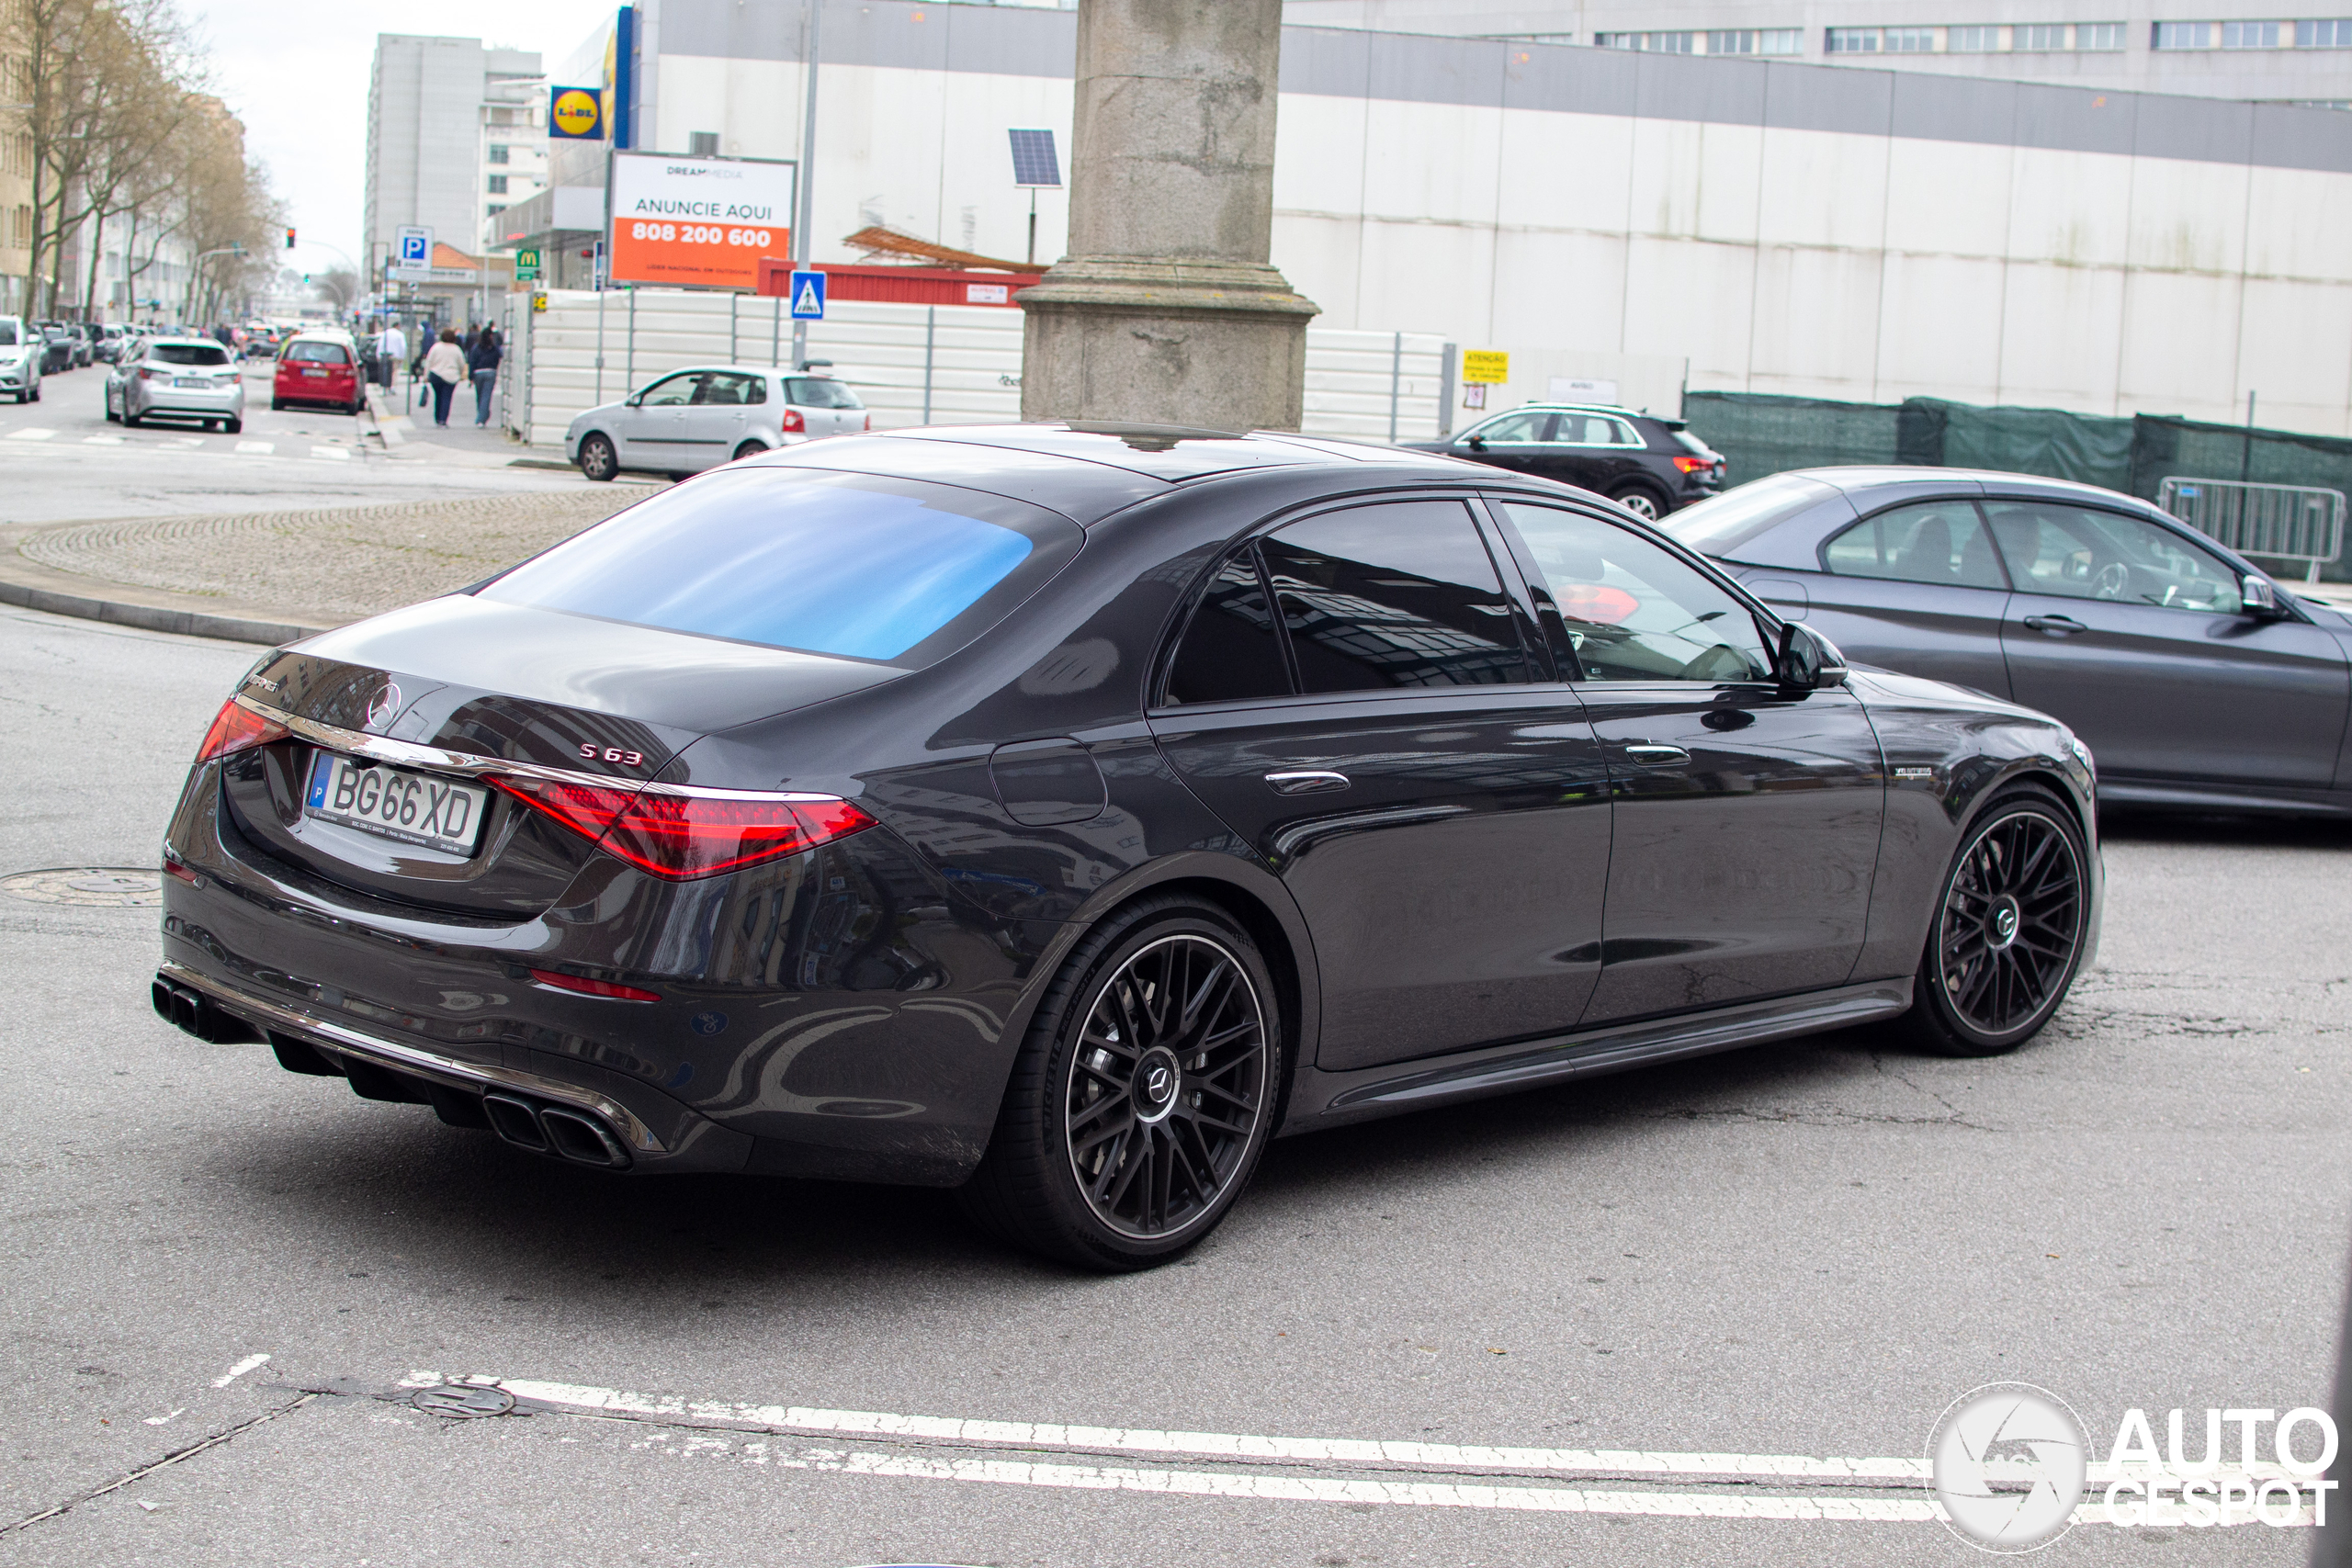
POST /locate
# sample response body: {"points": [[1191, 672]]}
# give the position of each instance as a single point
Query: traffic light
{"points": [[290, 239]]}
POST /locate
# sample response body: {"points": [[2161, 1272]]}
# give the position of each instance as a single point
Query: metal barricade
{"points": [[2285, 522]]}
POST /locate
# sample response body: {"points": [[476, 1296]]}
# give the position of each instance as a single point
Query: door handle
{"points": [[2064, 625], [1657, 756], [1306, 781]]}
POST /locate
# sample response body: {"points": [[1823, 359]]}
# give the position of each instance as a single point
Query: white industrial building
{"points": [[1647, 217], [2214, 49]]}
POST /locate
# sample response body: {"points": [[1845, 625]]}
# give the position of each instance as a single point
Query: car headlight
{"points": [[2082, 753]]}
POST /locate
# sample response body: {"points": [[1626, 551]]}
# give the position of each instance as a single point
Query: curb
{"points": [[389, 426], [31, 586]]}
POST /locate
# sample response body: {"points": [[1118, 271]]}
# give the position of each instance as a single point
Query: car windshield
{"points": [[820, 393], [831, 563], [315, 353], [188, 354], [11, 333], [1733, 518]]}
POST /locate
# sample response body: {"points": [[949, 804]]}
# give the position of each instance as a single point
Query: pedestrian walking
{"points": [[391, 347], [445, 367], [483, 362]]}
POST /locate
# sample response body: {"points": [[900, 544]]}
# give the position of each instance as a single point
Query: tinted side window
{"points": [[2082, 553], [1937, 542], [1230, 650], [1397, 594], [1515, 428], [1633, 611]]}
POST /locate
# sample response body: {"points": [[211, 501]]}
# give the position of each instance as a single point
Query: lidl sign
{"points": [[576, 114]]}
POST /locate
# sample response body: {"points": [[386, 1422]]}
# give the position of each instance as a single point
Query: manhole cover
{"points": [[461, 1403], [107, 887]]}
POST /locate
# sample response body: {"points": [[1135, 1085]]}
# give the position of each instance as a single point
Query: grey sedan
{"points": [[166, 377], [2195, 679]]}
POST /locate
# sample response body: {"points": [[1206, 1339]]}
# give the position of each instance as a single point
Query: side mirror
{"points": [[1476, 442], [2260, 599], [1809, 661], [634, 398]]}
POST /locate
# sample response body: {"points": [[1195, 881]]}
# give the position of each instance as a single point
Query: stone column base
{"points": [[1215, 345]]}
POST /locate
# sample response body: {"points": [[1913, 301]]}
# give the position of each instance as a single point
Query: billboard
{"points": [[698, 222]]}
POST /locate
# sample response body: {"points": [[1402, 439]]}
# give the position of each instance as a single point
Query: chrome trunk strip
{"points": [[345, 1041]]}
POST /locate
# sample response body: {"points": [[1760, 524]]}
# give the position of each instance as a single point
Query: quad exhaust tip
{"points": [[554, 1130]]}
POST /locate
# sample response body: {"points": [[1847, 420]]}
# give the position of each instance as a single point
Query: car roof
{"points": [[1087, 471], [1859, 480], [160, 339]]}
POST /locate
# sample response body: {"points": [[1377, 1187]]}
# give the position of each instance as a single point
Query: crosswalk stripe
{"points": [[257, 448], [30, 433]]}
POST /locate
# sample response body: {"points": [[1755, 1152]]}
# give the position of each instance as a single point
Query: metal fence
{"points": [[910, 363], [2303, 524]]}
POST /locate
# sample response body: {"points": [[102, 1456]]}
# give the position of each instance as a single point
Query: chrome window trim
{"points": [[346, 1041], [410, 754]]}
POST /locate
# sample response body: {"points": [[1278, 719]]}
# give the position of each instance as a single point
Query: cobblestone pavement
{"points": [[340, 563]]}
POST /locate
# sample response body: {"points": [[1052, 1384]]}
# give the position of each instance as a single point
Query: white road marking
{"points": [[101, 441], [30, 433], [241, 1368], [258, 448], [1892, 1480], [184, 441], [159, 1420], [333, 454]]}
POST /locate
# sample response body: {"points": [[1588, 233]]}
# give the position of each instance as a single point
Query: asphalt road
{"points": [[1802, 1249], [61, 460]]}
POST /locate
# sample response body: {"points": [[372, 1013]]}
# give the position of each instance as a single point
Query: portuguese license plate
{"points": [[393, 803], [193, 384]]}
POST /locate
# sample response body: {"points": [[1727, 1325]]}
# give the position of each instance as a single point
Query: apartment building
{"points": [[433, 105]]}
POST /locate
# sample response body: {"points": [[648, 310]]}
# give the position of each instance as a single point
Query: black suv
{"points": [[1647, 465]]}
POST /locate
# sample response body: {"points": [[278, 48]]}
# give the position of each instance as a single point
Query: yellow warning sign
{"points": [[1488, 364]]}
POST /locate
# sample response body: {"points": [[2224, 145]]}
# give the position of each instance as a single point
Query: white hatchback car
{"points": [[699, 418]]}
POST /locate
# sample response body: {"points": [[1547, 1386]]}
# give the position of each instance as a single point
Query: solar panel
{"points": [[1034, 162]]}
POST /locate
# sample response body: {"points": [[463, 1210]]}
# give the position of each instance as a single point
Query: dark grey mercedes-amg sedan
{"points": [[1059, 813], [2200, 682]]}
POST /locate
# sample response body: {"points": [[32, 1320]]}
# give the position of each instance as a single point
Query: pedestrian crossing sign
{"points": [[807, 295]]}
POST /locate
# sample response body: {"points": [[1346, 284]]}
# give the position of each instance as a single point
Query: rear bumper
{"points": [[830, 1018]]}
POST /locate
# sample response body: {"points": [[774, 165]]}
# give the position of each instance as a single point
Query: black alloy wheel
{"points": [[597, 459], [1144, 1096], [2008, 930], [1642, 501]]}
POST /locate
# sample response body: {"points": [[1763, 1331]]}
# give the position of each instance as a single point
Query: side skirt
{"points": [[1329, 1099]]}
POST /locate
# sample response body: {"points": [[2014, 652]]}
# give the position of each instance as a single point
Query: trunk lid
{"points": [[589, 697]]}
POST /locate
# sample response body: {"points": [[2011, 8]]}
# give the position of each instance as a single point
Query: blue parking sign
{"points": [[807, 295]]}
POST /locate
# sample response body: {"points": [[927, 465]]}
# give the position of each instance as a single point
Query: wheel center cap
{"points": [[1157, 1079], [2001, 925]]}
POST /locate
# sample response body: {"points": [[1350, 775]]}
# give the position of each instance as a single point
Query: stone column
{"points": [[1167, 311]]}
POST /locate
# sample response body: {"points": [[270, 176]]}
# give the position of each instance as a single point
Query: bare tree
{"points": [[338, 286]]}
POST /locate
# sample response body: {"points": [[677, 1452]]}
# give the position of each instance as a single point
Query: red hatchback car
{"points": [[315, 369]]}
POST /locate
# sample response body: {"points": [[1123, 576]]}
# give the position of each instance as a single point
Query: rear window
{"points": [[188, 354], [1726, 522], [318, 354], [818, 392], [891, 570]]}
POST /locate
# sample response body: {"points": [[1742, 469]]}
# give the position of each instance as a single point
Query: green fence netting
{"points": [[1765, 433]]}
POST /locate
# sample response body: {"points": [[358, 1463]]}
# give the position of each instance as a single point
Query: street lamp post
{"points": [[196, 267]]}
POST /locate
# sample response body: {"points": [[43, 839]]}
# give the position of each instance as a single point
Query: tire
{"points": [[598, 460], [749, 450], [2021, 868], [1195, 1104], [36, 392], [130, 419], [1640, 500], [112, 417], [233, 426], [277, 405]]}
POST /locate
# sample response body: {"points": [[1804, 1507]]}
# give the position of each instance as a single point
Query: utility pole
{"points": [[804, 177]]}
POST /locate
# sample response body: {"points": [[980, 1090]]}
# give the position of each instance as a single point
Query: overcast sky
{"points": [[296, 73]]}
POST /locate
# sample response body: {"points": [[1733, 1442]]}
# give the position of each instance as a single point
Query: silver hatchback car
{"points": [[178, 377], [699, 418]]}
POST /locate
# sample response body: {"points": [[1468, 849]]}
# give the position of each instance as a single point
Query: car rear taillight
{"points": [[868, 424], [684, 836], [236, 729], [792, 421], [1695, 465]]}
